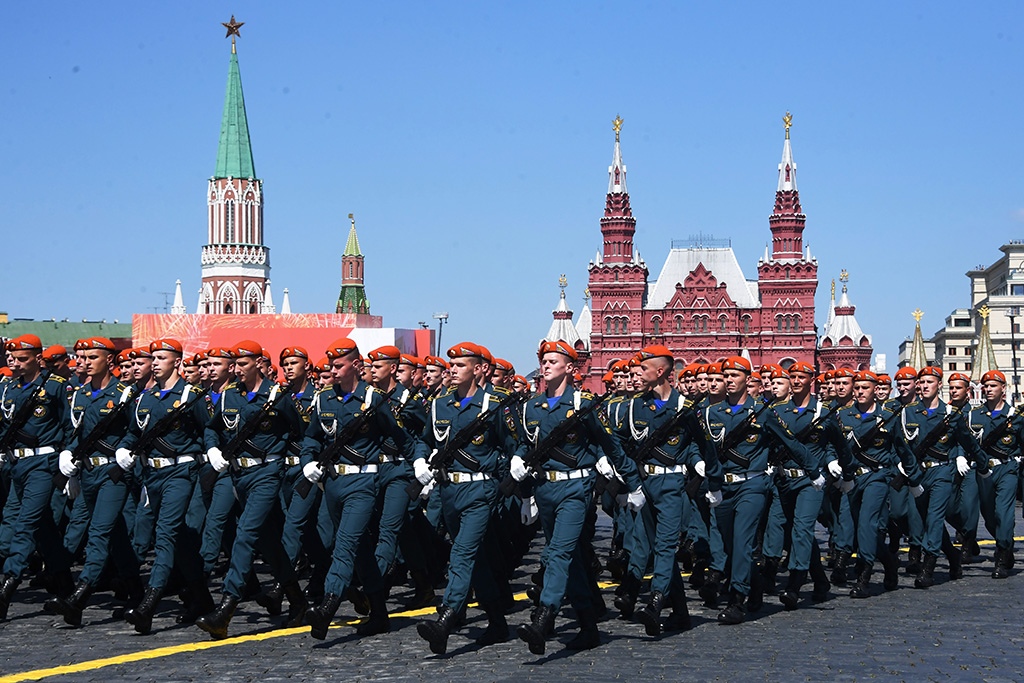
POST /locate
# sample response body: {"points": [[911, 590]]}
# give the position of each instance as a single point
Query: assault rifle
{"points": [[166, 424], [548, 447], [992, 437], [88, 445], [20, 418], [443, 457], [858, 447], [329, 455]]}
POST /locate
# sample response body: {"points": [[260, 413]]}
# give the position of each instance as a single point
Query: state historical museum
{"points": [[701, 306]]}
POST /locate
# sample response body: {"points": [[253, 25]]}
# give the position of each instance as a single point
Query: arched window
{"points": [[722, 323], [229, 220], [607, 325], [625, 325], [746, 324], [679, 323], [781, 323], [656, 325]]}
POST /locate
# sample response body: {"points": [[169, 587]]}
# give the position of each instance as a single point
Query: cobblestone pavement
{"points": [[968, 630]]}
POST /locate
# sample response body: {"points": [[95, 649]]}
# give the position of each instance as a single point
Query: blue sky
{"points": [[472, 142]]}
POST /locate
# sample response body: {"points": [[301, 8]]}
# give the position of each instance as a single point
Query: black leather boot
{"points": [[536, 633], [359, 600], [589, 637], [891, 567], [436, 632], [861, 589], [734, 613], [709, 591], [790, 598], [216, 622], [820, 579], [271, 600], [769, 575], [650, 616], [926, 579], [199, 602], [1001, 570], [297, 604], [70, 607], [626, 602], [954, 557], [423, 595], [679, 617], [497, 627], [7, 588], [141, 616], [378, 621], [755, 599], [320, 617], [914, 560], [839, 572]]}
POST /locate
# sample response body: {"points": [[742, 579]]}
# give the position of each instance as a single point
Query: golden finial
{"points": [[232, 27], [586, 294], [617, 126], [833, 290], [918, 314], [984, 312], [787, 121], [563, 282], [844, 276]]}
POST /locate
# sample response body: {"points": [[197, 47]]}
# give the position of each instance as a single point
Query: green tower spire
{"points": [[234, 153], [352, 298]]}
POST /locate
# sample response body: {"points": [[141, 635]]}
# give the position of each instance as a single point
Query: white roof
{"points": [[562, 327], [720, 261], [584, 326], [787, 168], [617, 172], [844, 325]]}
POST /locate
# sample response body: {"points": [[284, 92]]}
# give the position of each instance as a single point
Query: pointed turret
{"points": [[178, 307], [562, 328], [787, 219], [984, 354], [618, 225], [352, 298], [918, 357], [585, 323], [268, 301], [286, 303], [234, 153], [844, 344]]}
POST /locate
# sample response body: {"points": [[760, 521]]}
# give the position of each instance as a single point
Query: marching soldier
{"points": [[965, 511], [165, 433], [34, 428]]}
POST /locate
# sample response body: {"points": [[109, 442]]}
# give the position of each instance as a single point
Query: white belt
{"points": [[29, 452], [292, 460], [466, 477], [928, 464], [98, 460], [558, 475], [355, 469], [860, 471], [246, 463], [658, 469], [792, 472], [158, 463], [734, 478]]}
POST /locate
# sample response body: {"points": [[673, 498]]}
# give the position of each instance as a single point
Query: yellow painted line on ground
{"points": [[157, 653]]}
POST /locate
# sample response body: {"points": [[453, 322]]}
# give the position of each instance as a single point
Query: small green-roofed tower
{"points": [[352, 298]]}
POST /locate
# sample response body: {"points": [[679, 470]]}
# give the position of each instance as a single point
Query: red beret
{"points": [[778, 372], [829, 374], [713, 369], [884, 379], [930, 370], [485, 353], [247, 348], [101, 343], [139, 352], [465, 350], [844, 372], [6, 371], [25, 342], [323, 365], [340, 348], [701, 369], [437, 362], [220, 352], [958, 377], [166, 345], [557, 347], [803, 367], [620, 365], [124, 356], [503, 364], [294, 352], [385, 353], [655, 351], [994, 375], [757, 375], [865, 376], [607, 378], [54, 352], [736, 363], [520, 379]]}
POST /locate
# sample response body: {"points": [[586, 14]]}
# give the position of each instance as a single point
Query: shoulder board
{"points": [[196, 388], [446, 392], [777, 403], [586, 395], [230, 385], [500, 391], [121, 386], [377, 391], [56, 378]]}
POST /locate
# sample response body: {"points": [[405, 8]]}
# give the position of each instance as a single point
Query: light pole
{"points": [[1012, 313], [440, 318]]}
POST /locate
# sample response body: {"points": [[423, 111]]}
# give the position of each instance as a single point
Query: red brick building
{"points": [[700, 305]]}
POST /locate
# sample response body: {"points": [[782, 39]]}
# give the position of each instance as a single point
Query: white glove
{"points": [[917, 491], [819, 483], [528, 512], [421, 470], [899, 466], [713, 498], [636, 499], [427, 488], [124, 458], [845, 486], [699, 468], [770, 471], [962, 466], [835, 469], [313, 472], [217, 459], [517, 468], [66, 464], [605, 468], [73, 487]]}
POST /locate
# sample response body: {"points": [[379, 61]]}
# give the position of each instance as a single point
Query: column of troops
{"points": [[157, 472]]}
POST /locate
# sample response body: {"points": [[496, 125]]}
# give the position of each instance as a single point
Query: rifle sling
{"points": [[165, 449], [466, 460], [24, 437], [560, 456], [735, 458], [662, 458]]}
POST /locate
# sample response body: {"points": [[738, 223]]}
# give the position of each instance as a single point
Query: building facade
{"points": [[701, 306]]}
